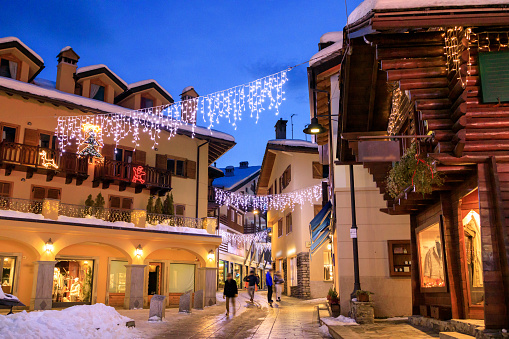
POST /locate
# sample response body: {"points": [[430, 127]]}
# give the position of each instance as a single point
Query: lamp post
{"points": [[353, 235]]}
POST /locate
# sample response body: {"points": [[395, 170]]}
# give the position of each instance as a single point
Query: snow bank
{"points": [[368, 5], [12, 38], [324, 329], [180, 229], [293, 142], [21, 215], [95, 221], [339, 321], [84, 321]]}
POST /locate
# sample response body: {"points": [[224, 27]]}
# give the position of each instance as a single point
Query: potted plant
{"points": [[363, 296], [333, 299]]}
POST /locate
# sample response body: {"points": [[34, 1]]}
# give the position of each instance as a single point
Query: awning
{"points": [[319, 227]]}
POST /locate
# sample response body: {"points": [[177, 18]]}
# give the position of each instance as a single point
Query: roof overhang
{"points": [[141, 88], [102, 70]]}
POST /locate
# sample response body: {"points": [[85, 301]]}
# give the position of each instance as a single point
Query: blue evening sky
{"points": [[211, 45]]}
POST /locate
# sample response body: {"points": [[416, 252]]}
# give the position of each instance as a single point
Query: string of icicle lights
{"points": [[264, 203], [266, 93], [259, 239]]}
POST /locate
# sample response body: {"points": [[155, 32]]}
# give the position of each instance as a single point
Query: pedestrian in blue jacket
{"points": [[269, 284]]}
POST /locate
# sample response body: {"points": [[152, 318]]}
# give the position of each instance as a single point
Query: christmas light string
{"points": [[259, 239], [263, 203]]}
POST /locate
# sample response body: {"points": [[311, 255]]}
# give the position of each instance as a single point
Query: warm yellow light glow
{"points": [[139, 251], [87, 127], [85, 262], [315, 130], [329, 247], [47, 163], [48, 247], [211, 256], [256, 211]]}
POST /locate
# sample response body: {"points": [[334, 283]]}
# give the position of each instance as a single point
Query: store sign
{"points": [[353, 233], [378, 151]]}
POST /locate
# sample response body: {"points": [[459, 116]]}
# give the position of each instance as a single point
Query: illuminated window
{"points": [[289, 223], [327, 266]]}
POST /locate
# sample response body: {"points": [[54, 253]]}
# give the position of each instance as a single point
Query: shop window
{"points": [[317, 170], [494, 70], [117, 276], [8, 68], [146, 102], [237, 275], [7, 265], [97, 92], [9, 133], [42, 192], [180, 210], [72, 281], [47, 140], [121, 203], [289, 223], [280, 228], [181, 278], [5, 188], [327, 266], [431, 258], [221, 274], [293, 271]]}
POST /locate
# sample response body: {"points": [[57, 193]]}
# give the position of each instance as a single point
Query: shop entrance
{"points": [[117, 283], [72, 282], [154, 278], [7, 265]]}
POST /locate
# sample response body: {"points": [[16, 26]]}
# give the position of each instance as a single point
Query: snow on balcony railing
{"points": [[21, 205], [174, 220], [106, 214]]}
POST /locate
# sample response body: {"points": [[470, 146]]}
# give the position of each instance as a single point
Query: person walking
{"points": [[278, 285], [252, 281], [230, 292], [268, 282]]}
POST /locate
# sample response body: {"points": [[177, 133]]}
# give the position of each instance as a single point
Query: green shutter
{"points": [[494, 67]]}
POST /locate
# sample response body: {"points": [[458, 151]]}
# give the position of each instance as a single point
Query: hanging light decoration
{"points": [[255, 97], [259, 239], [264, 203]]}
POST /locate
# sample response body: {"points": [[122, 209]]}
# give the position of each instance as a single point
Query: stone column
{"points": [[43, 285], [135, 280], [207, 282], [304, 290]]}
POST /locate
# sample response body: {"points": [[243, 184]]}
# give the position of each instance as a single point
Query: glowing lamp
{"points": [[139, 251], [256, 212], [211, 256], [314, 127], [48, 246], [329, 246]]}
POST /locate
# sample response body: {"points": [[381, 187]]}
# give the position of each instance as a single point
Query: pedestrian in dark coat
{"points": [[230, 293]]}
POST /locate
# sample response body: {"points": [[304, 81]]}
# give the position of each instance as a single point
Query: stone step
{"points": [[454, 335]]}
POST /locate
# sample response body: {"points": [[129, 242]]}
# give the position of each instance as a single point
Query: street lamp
{"points": [[314, 127]]}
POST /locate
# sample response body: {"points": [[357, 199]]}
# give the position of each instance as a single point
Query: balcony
{"points": [[126, 174], [35, 159]]}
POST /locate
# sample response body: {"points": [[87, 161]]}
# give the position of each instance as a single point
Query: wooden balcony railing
{"points": [[132, 173], [12, 153]]}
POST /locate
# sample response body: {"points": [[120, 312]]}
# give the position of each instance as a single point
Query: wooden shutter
{"points": [[38, 193], [288, 175], [108, 151], [494, 69], [5, 189], [53, 193], [180, 210], [161, 161], [114, 202], [191, 169], [127, 203], [280, 227], [31, 137], [317, 170], [140, 157]]}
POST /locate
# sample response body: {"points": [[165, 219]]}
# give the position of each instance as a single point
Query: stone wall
{"points": [[285, 277], [302, 290]]}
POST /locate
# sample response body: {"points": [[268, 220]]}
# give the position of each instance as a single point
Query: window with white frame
{"points": [[293, 271], [327, 266]]}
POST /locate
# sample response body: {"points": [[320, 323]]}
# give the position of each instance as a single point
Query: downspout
{"points": [[198, 174]]}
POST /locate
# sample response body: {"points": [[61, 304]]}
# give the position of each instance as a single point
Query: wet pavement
{"points": [[292, 318]]}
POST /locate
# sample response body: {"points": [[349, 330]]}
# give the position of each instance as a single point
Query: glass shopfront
{"points": [[221, 273], [237, 275], [7, 265], [117, 276], [431, 258], [72, 281], [181, 278]]}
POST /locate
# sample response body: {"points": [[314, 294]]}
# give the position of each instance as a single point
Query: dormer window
{"points": [[146, 103], [97, 92], [8, 68]]}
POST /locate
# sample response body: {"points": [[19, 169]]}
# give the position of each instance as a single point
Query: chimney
{"points": [[281, 129], [228, 171], [66, 68], [189, 104], [244, 164]]}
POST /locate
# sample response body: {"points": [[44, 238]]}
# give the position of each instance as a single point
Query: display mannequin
{"points": [[433, 262], [75, 290]]}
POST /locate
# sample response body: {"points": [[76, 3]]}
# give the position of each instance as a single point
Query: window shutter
{"points": [[108, 151], [127, 203], [38, 193], [31, 137], [53, 193], [494, 69], [114, 202], [5, 189], [180, 210], [317, 170], [288, 175], [161, 161], [191, 169], [140, 157]]}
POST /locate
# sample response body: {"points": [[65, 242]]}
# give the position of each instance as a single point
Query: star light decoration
{"points": [[257, 96], [259, 239], [264, 203]]}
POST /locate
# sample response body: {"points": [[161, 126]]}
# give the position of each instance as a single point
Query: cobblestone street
{"points": [[292, 318]]}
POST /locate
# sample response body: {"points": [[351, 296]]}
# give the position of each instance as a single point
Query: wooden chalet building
{"points": [[441, 73]]}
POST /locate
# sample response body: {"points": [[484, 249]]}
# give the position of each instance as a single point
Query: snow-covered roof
{"points": [[145, 82], [331, 37], [188, 88], [12, 38], [99, 66], [369, 5], [45, 83], [327, 52], [66, 48], [293, 143], [239, 175], [54, 94]]}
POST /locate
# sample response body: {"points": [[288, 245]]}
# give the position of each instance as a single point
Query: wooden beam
{"points": [[430, 72], [416, 83], [372, 93], [409, 52], [412, 63]]}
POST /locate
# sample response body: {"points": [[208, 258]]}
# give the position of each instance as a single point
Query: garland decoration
{"points": [[413, 170], [258, 239], [255, 97], [264, 203]]}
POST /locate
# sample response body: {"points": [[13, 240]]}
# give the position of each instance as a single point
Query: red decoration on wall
{"points": [[139, 174]]}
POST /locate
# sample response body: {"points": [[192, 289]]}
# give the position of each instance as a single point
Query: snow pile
{"points": [[65, 49], [331, 37], [369, 5], [173, 229], [84, 321], [94, 221], [20, 215], [293, 143], [339, 321], [313, 301], [324, 329]]}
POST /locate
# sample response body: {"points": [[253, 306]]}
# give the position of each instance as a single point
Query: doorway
{"points": [[154, 278]]}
